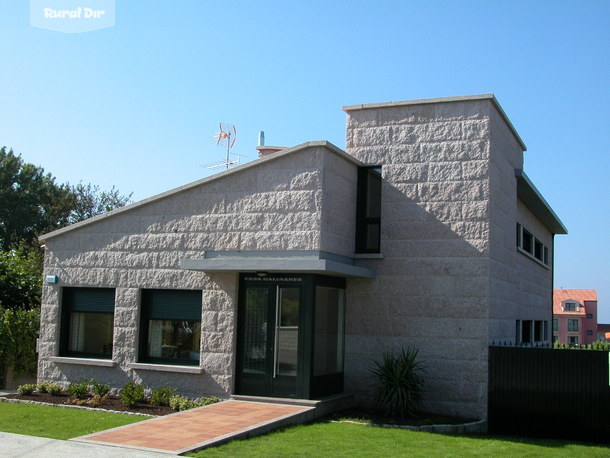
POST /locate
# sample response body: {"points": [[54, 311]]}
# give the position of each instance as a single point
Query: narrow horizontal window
{"points": [[530, 245]]}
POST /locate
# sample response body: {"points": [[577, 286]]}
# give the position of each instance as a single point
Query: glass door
{"points": [[268, 342]]}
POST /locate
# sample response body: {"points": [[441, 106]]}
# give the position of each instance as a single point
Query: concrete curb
{"points": [[475, 427]]}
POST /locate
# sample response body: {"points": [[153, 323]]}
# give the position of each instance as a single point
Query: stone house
{"points": [[286, 276]]}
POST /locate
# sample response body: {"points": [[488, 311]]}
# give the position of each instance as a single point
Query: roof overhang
{"points": [[318, 262], [533, 200]]}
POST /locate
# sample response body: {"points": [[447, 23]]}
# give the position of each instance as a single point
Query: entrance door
{"points": [[268, 363]]}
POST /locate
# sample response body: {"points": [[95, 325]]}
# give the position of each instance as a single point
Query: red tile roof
{"points": [[578, 295]]}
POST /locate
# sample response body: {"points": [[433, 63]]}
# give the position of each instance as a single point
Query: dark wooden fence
{"points": [[544, 392]]}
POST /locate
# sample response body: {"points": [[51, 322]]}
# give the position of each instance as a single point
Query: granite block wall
{"points": [[272, 205], [432, 288]]}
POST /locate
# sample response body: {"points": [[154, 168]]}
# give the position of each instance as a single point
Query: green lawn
{"points": [[343, 439], [57, 423], [318, 439]]}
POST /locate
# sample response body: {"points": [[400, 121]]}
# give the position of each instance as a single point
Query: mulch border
{"points": [[69, 406]]}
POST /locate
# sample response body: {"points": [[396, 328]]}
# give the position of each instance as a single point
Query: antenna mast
{"points": [[226, 137]]}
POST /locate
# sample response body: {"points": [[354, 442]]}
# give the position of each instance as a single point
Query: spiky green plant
{"points": [[400, 387]]}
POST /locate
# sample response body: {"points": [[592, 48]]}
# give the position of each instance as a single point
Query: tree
{"points": [[90, 201], [20, 279], [31, 202]]}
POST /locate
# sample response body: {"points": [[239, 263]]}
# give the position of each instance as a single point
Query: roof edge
{"points": [[255, 163], [532, 198], [460, 98]]}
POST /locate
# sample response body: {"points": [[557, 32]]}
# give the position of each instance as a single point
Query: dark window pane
{"points": [[255, 328], [528, 242], [174, 339], [537, 331], [91, 333], [526, 331], [287, 337], [329, 331], [373, 236], [538, 250], [373, 196], [368, 206]]}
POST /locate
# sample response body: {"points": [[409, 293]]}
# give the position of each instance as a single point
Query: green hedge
{"points": [[598, 345], [18, 334]]}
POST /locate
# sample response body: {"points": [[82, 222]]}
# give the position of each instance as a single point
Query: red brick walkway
{"points": [[193, 429]]}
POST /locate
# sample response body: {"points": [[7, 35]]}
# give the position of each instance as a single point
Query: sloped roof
{"points": [[578, 295], [218, 176]]}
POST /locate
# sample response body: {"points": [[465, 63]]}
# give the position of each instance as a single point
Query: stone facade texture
{"points": [[275, 205], [449, 279]]}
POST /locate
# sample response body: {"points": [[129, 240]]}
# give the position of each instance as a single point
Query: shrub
{"points": [[161, 396], [208, 400], [400, 386], [181, 403], [54, 389], [26, 390], [99, 389], [78, 390], [96, 400], [131, 394], [43, 387]]}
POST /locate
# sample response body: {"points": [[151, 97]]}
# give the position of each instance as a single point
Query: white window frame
{"points": [[573, 321], [521, 233], [570, 302]]}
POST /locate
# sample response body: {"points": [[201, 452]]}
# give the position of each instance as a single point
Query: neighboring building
{"points": [[603, 332], [288, 275], [575, 316]]}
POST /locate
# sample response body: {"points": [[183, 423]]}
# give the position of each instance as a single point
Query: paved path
{"points": [[17, 445], [210, 425]]}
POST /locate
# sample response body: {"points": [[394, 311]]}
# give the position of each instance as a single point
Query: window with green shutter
{"points": [[87, 318], [170, 326]]}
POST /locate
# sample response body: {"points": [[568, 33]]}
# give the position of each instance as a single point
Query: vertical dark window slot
{"points": [[368, 213], [538, 250], [528, 242], [526, 331]]}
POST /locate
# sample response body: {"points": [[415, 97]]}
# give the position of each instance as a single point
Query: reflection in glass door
{"points": [[269, 338], [290, 336], [255, 330], [287, 331]]}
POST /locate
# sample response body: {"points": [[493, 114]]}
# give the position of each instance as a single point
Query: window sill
{"points": [[83, 361], [533, 258], [368, 256], [167, 368]]}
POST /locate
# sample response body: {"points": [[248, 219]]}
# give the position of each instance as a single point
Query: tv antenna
{"points": [[226, 138]]}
